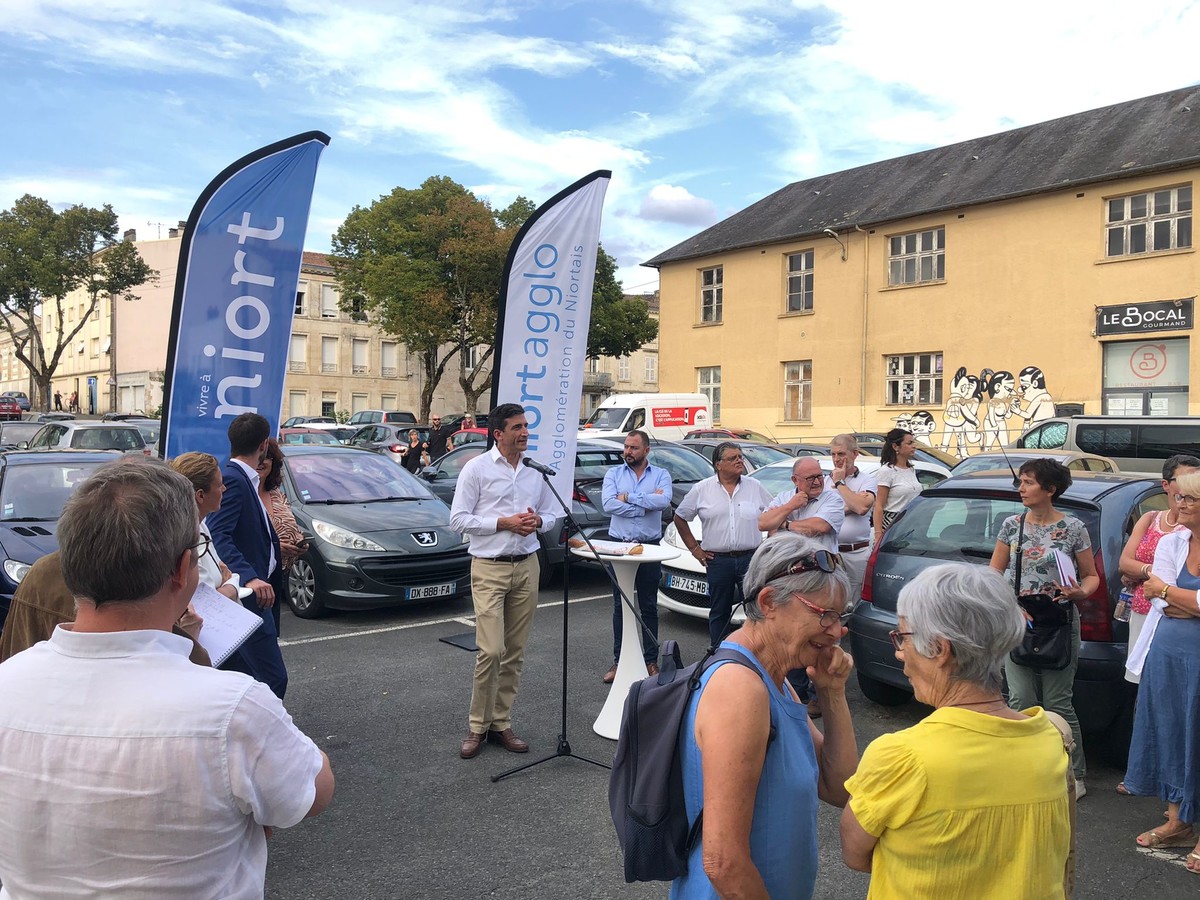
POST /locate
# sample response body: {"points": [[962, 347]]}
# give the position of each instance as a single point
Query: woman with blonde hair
{"points": [[204, 472]]}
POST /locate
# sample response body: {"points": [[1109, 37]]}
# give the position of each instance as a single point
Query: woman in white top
{"points": [[203, 471], [897, 478]]}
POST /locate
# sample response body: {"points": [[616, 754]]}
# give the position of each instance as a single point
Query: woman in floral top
{"points": [[1046, 530]]}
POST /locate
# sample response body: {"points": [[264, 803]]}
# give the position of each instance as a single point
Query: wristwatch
{"points": [[838, 484], [1162, 595]]}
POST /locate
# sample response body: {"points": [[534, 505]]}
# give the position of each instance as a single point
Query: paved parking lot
{"points": [[388, 702]]}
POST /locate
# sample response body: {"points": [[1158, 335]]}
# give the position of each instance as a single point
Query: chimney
{"points": [[172, 232], [129, 235]]}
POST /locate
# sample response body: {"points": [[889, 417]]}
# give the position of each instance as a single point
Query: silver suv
{"points": [[90, 436]]}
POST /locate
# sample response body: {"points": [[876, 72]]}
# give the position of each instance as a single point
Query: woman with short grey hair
{"points": [[923, 798], [751, 758]]}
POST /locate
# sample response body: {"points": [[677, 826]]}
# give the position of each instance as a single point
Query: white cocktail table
{"points": [[631, 666]]}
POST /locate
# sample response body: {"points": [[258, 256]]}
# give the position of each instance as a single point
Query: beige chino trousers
{"points": [[505, 596]]}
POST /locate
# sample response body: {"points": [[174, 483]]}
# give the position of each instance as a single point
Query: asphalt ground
{"points": [[388, 702]]}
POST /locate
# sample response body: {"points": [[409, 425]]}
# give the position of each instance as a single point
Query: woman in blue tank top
{"points": [[752, 760]]}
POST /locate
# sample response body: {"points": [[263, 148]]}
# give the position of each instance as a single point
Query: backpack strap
{"points": [[722, 654]]}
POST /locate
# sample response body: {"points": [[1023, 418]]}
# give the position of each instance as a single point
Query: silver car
{"points": [[78, 435]]}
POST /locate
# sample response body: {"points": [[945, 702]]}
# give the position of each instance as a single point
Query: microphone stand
{"points": [[564, 745]]}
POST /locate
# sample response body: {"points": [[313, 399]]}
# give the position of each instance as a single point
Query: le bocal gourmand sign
{"points": [[1136, 318]]}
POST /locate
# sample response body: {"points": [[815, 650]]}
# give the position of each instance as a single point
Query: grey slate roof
{"points": [[1152, 134]]}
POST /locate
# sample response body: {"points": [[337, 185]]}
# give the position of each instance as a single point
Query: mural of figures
{"points": [[960, 418], [1033, 402], [921, 424], [1001, 395]]}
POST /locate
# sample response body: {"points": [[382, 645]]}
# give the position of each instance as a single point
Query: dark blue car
{"points": [[34, 486], [958, 521]]}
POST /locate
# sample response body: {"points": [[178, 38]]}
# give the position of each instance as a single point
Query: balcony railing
{"points": [[297, 367], [328, 368], [597, 381], [389, 371], [360, 370]]}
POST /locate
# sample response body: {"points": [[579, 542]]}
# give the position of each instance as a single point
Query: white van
{"points": [[667, 417], [1137, 444]]}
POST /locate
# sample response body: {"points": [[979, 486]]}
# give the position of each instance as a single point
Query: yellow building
{"points": [[963, 292]]}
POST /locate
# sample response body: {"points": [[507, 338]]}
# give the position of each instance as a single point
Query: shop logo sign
{"points": [[1136, 318]]}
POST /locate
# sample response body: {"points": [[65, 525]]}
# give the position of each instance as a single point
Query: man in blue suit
{"points": [[248, 544]]}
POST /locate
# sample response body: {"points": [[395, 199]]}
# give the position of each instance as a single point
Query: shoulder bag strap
{"points": [[1019, 551]]}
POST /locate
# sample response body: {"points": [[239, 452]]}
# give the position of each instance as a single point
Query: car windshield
{"points": [[763, 455], [963, 529], [149, 431], [352, 477], [983, 462], [37, 492], [774, 478], [684, 466], [590, 465], [107, 439], [608, 417]]}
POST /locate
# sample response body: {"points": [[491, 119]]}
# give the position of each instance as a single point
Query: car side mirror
{"points": [[22, 445]]}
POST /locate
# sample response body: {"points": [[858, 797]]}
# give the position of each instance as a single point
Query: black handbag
{"points": [[1047, 641]]}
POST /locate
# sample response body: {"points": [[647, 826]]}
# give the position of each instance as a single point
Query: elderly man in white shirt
{"points": [[502, 505], [857, 490], [809, 507], [128, 771], [728, 505]]}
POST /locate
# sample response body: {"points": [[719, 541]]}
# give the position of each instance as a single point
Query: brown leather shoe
{"points": [[508, 741], [610, 676], [651, 669], [472, 744]]}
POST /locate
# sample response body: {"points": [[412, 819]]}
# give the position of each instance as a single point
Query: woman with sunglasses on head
{"points": [[972, 801], [1164, 757], [1037, 534], [752, 759], [897, 478]]}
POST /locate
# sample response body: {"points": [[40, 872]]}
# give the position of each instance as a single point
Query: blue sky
{"points": [[700, 107]]}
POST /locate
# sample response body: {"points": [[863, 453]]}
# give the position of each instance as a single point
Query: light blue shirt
{"points": [[639, 516]]}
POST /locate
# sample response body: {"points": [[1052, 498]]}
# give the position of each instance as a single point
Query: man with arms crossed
{"points": [[808, 508], [728, 505], [128, 771], [502, 505], [857, 490], [635, 494]]}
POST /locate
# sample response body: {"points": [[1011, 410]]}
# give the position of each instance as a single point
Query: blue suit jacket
{"points": [[243, 537]]}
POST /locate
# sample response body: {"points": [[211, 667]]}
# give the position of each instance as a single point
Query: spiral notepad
{"points": [[227, 623]]}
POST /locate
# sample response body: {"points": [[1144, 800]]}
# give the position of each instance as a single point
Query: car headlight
{"points": [[16, 570], [671, 536], [340, 537]]}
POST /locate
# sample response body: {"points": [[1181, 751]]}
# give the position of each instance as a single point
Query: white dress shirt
{"points": [[252, 474], [488, 489], [130, 772], [828, 507], [729, 522]]}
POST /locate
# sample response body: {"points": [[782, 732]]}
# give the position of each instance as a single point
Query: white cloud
{"points": [[671, 203]]}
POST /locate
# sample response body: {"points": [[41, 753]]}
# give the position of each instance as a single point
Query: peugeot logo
{"points": [[426, 538]]}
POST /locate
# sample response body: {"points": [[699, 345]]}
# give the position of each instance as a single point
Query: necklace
{"points": [[977, 702], [1167, 519]]}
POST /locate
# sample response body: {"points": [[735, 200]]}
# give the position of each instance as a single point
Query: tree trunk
{"points": [[43, 390]]}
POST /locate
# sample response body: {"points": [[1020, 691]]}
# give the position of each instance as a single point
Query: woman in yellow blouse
{"points": [[971, 802]]}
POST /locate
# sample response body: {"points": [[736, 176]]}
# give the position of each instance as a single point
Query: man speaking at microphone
{"points": [[501, 502]]}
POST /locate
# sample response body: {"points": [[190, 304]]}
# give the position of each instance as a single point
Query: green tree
{"points": [[620, 324], [47, 255], [427, 262]]}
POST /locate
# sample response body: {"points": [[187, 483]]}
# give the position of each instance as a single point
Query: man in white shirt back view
{"points": [[502, 504], [128, 771]]}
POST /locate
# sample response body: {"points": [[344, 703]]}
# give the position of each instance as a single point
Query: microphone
{"points": [[539, 467]]}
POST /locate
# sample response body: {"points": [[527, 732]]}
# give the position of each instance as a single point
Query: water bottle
{"points": [[1124, 604]]}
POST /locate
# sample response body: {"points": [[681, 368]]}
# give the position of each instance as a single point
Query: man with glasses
{"points": [[440, 442], [728, 504], [857, 490], [808, 508], [129, 771]]}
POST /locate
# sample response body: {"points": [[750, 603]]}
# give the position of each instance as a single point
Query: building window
{"points": [[474, 357], [329, 348], [651, 368], [800, 282], [388, 401], [708, 381], [917, 257], [797, 391], [328, 403], [623, 368], [298, 356], [96, 313], [593, 365], [359, 357], [389, 357], [358, 402], [711, 289], [301, 290], [297, 403], [1144, 223], [329, 301], [95, 348], [914, 379]]}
